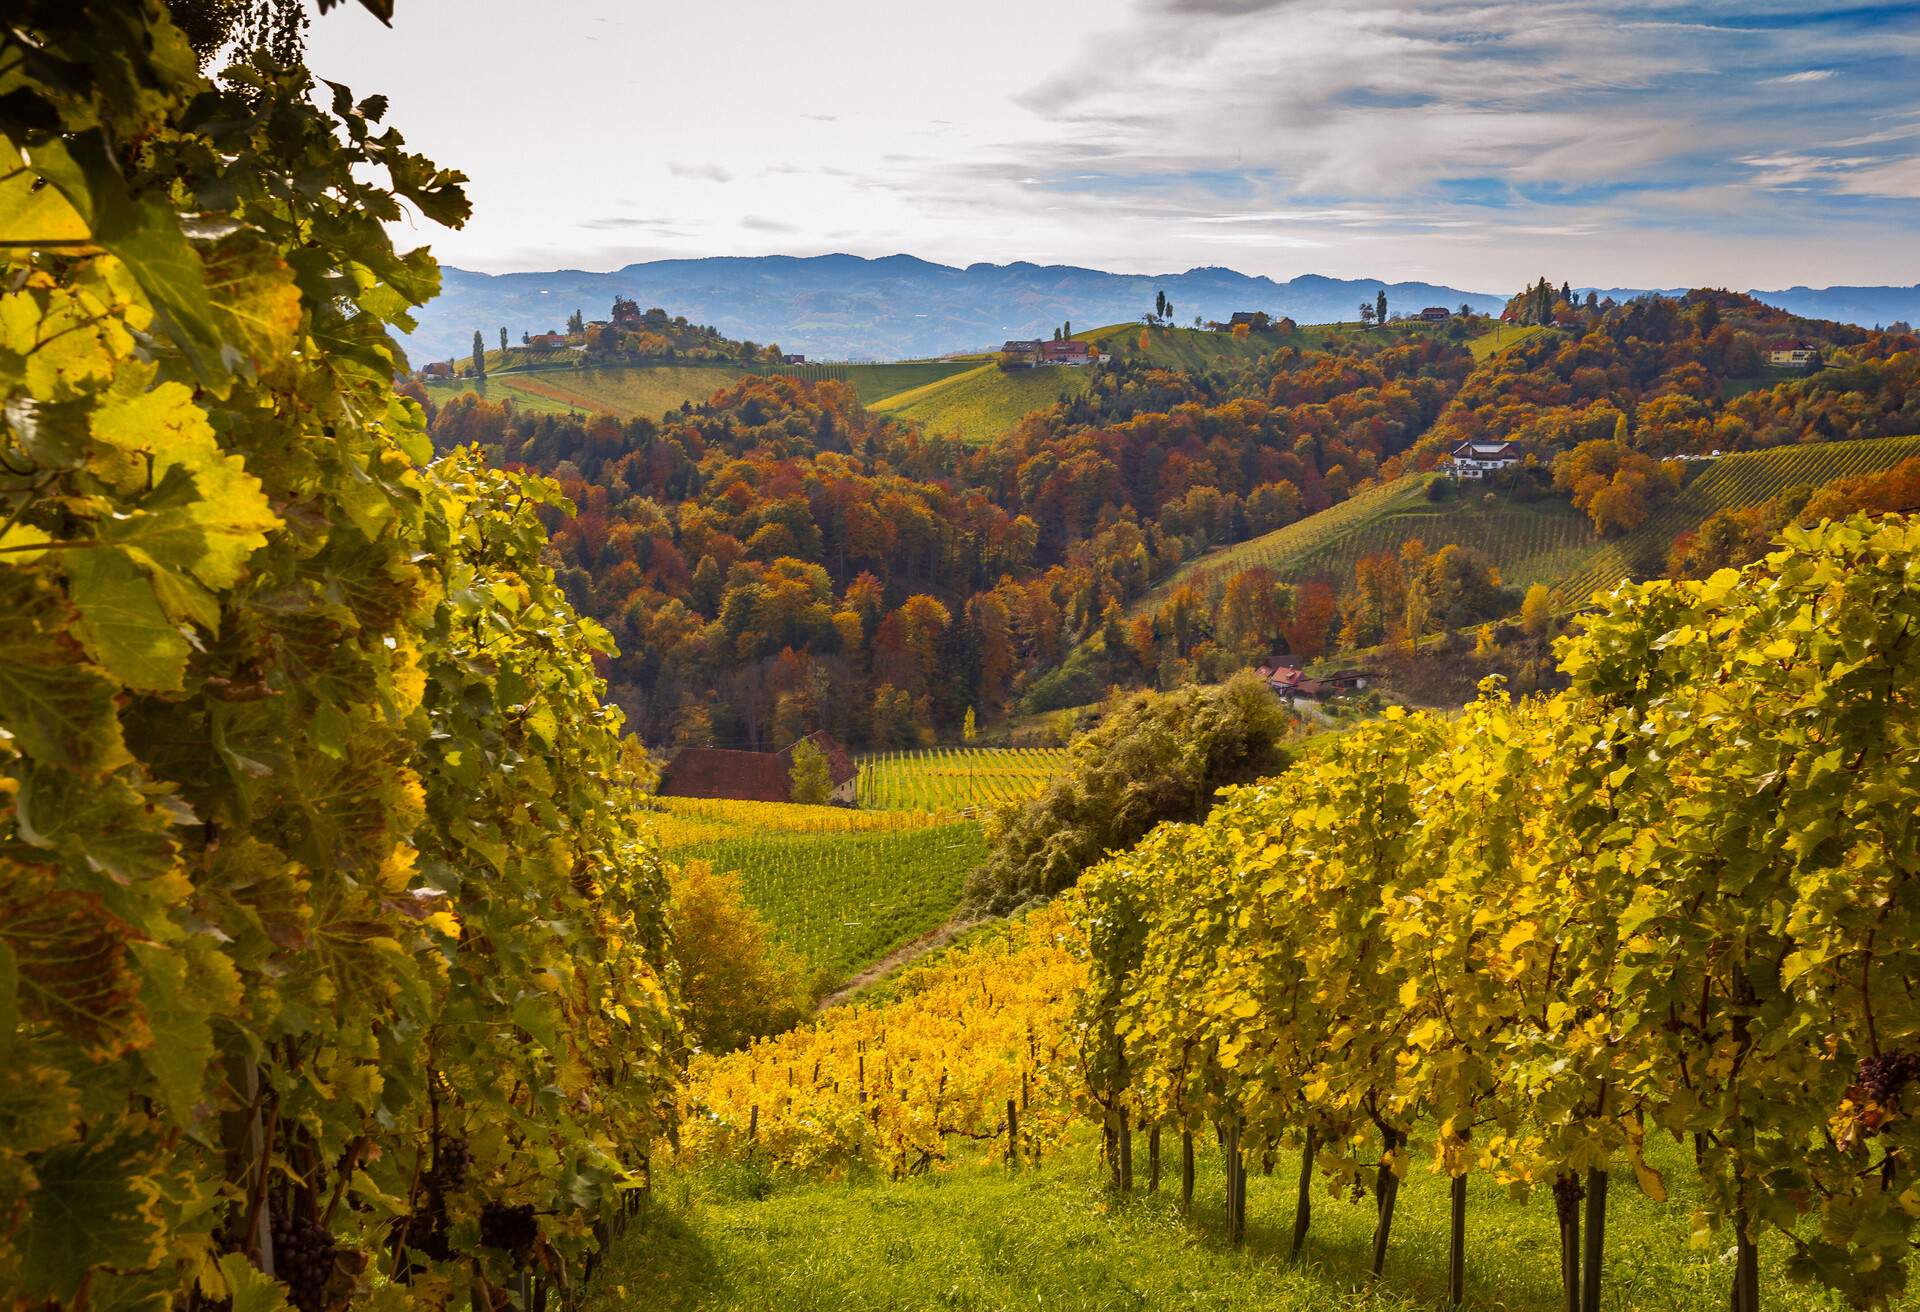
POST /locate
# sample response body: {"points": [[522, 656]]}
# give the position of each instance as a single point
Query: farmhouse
{"points": [[1478, 459], [1292, 683], [1067, 351], [547, 341], [793, 359], [437, 369], [1025, 355], [1436, 314], [1794, 355], [753, 776]]}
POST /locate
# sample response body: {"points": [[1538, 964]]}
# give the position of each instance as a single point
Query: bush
{"points": [[1153, 757], [738, 985]]}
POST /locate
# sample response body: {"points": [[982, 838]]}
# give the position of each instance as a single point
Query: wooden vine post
{"points": [[1596, 1240], [1457, 1241], [1013, 1136], [1186, 1170], [1236, 1186], [1153, 1159]]}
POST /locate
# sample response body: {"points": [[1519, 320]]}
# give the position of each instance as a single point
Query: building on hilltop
{"points": [[1793, 355], [1067, 351], [1478, 459], [1436, 314], [753, 776], [790, 358]]}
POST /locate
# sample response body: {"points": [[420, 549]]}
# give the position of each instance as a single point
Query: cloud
{"points": [[1806, 75], [622, 223], [703, 172], [758, 223]]}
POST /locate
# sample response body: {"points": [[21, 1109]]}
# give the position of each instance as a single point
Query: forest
{"points": [[776, 560]]}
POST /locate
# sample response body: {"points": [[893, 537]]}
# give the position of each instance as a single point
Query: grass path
{"points": [[981, 1238]]}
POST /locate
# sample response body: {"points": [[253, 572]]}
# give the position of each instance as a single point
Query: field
{"points": [[984, 402], [643, 391], [740, 1237], [1541, 541], [956, 779], [1500, 338], [840, 887], [651, 391]]}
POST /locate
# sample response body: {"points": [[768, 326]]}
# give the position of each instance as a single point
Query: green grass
{"points": [[1500, 338], [984, 402], [844, 900], [956, 778], [731, 1237], [651, 391], [874, 383]]}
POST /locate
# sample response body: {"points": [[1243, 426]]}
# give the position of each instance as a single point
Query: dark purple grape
{"points": [[510, 1228]]}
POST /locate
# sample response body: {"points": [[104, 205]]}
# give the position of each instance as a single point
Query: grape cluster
{"points": [[303, 1253], [510, 1228], [451, 1159], [1882, 1078]]}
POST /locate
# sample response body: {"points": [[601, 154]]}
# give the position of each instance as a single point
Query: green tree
{"points": [[1380, 306], [503, 342], [576, 322], [1152, 757], [479, 355], [809, 778]]}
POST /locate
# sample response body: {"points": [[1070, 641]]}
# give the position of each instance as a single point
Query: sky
{"points": [[1476, 143]]}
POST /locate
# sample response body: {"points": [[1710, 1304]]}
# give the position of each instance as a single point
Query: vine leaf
{"points": [[145, 236], [106, 825], [250, 1288], [70, 952], [121, 623], [58, 707], [182, 1038], [95, 1207]]}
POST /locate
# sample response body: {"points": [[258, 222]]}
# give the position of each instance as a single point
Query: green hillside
{"points": [[986, 401], [634, 391], [1530, 541], [1500, 337]]}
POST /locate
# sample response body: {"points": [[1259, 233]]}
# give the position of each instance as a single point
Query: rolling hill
{"points": [[1543, 541], [650, 391], [984, 402]]}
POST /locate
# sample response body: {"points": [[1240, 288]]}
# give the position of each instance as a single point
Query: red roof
{"points": [[747, 776]]}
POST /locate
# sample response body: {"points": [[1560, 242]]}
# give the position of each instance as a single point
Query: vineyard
{"points": [[1539, 541], [985, 401], [1680, 898], [840, 887], [1745, 478], [956, 779], [973, 1042]]}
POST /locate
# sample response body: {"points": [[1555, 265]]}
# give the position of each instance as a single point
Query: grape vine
{"points": [[1680, 897], [327, 929]]}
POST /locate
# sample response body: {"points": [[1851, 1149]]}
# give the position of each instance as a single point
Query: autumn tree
{"points": [[1536, 612], [1616, 486], [1250, 613], [737, 983]]}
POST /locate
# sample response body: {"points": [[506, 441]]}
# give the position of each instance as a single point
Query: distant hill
{"points": [[843, 307], [1864, 307]]}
